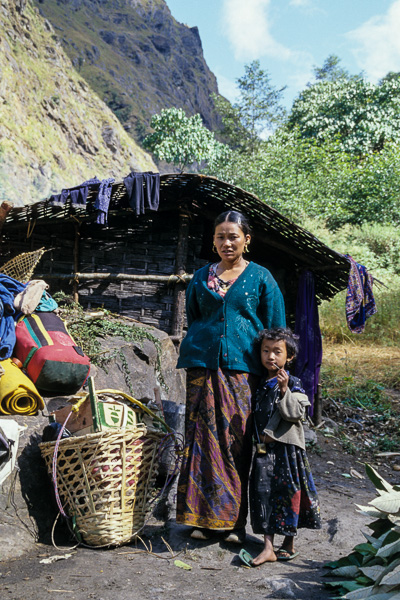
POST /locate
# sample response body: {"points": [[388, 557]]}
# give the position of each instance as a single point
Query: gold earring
{"points": [[246, 248], [214, 248]]}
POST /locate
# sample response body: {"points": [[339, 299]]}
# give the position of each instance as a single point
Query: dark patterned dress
{"points": [[283, 497]]}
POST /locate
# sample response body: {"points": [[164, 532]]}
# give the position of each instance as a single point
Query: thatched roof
{"points": [[277, 238]]}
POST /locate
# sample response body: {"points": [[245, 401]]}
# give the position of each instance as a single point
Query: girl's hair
{"points": [[233, 216], [281, 333]]}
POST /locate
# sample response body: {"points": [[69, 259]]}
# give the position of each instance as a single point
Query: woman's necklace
{"points": [[230, 273]]}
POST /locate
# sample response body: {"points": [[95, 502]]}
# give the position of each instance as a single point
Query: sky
{"points": [[290, 37]]}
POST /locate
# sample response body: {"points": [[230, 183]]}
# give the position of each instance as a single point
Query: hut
{"points": [[138, 264]]}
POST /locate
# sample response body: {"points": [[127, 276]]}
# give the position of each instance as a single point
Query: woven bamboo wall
{"points": [[131, 245]]}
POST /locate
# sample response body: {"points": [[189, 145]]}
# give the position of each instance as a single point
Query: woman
{"points": [[227, 304]]}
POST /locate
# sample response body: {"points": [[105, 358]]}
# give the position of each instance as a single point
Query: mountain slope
{"points": [[54, 130], [136, 56]]}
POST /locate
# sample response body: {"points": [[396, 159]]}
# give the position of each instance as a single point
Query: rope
{"points": [[54, 467], [180, 277]]}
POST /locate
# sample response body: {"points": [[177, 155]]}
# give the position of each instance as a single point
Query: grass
{"points": [[347, 366], [361, 372]]}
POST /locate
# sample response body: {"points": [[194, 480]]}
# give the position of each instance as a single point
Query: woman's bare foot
{"points": [[267, 555]]}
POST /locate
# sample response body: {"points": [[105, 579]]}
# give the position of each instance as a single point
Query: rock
{"points": [[138, 369], [281, 587], [330, 423], [27, 505], [111, 138], [145, 41], [310, 435], [49, 96]]}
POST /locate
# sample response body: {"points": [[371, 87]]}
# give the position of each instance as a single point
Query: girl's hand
{"points": [[283, 380]]}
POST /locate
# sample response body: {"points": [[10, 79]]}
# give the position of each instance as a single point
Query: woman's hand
{"points": [[283, 380]]}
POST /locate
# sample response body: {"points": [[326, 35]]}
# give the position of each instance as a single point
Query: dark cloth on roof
{"points": [[78, 194], [9, 288], [134, 187], [152, 185], [360, 301], [59, 199], [309, 359], [136, 184]]}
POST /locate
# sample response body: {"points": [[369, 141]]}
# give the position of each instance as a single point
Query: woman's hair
{"points": [[280, 333], [233, 216]]}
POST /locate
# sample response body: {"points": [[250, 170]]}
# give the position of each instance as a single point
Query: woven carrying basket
{"points": [[21, 267], [105, 481]]}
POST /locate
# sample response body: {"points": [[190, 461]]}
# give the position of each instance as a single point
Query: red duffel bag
{"points": [[49, 355]]}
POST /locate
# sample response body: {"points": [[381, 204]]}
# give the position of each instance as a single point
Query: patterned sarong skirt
{"points": [[212, 487]]}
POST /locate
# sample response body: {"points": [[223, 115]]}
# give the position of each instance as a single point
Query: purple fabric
{"points": [[103, 200], [308, 361], [360, 301], [78, 194]]}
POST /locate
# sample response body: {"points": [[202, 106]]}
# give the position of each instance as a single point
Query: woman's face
{"points": [[230, 241]]}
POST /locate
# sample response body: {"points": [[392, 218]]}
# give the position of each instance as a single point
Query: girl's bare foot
{"points": [[267, 555]]}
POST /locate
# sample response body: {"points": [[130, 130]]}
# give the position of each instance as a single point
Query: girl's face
{"points": [[230, 241], [273, 352]]}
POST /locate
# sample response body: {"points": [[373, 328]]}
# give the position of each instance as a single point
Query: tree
{"points": [[360, 115], [182, 140], [256, 111], [332, 71], [303, 178]]}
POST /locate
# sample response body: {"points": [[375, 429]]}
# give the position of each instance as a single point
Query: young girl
{"points": [[282, 492]]}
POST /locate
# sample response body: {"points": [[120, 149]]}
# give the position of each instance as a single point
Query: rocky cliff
{"points": [[136, 56], [55, 131]]}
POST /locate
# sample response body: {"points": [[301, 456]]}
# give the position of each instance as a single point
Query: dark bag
{"points": [[49, 355]]}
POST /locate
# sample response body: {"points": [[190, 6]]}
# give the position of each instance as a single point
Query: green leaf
{"points": [[380, 526], [392, 578], [370, 512], [358, 594], [373, 572], [394, 595], [365, 549], [377, 480], [389, 549], [352, 559], [388, 502], [349, 571], [182, 565], [375, 542]]}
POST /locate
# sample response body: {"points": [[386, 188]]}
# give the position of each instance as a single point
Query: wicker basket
{"points": [[105, 481], [21, 267]]}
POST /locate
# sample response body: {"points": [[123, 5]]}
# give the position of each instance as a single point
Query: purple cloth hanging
{"points": [[308, 361], [360, 301]]}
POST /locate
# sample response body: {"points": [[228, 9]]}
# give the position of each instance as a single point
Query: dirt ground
{"points": [[132, 573]]}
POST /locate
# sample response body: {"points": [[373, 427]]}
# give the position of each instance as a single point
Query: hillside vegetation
{"points": [[55, 131], [136, 56]]}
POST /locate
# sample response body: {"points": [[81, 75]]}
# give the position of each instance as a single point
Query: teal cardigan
{"points": [[221, 331]]}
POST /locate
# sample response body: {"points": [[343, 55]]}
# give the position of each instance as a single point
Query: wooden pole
{"points": [[76, 262], [116, 277], [4, 210], [178, 314], [317, 416]]}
